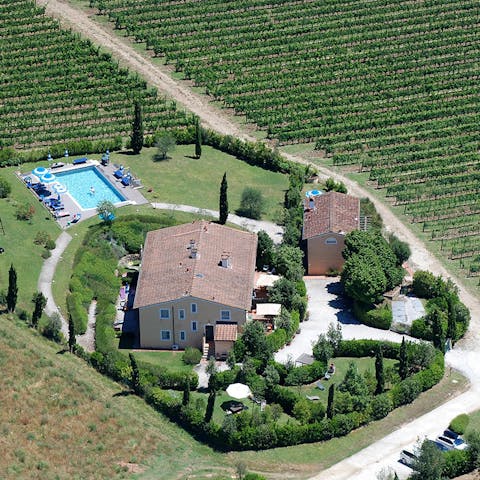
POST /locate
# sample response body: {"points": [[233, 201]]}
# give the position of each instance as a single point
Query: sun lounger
{"points": [[118, 173], [61, 214], [313, 397], [76, 217], [320, 386], [126, 180], [78, 161], [57, 165]]}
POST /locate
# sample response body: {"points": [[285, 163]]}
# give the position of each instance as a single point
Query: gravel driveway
{"points": [[326, 306]]}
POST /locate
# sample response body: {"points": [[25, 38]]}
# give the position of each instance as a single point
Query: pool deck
{"points": [[132, 194]]}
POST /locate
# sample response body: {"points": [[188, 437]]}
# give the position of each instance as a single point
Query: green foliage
{"points": [[53, 328], [106, 211], [457, 462], [403, 360], [255, 341], [198, 140], [191, 356], [334, 336], [254, 476], [379, 371], [460, 423], [322, 349], [289, 262], [252, 203], [12, 292], [5, 188], [425, 284], [223, 202], [434, 317], [430, 463], [165, 143], [367, 209], [332, 185], [377, 317], [381, 406], [265, 250], [25, 211], [277, 339], [365, 348], [331, 401], [136, 139], [400, 249]]}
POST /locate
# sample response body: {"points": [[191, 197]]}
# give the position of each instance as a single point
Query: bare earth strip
{"points": [[465, 357]]}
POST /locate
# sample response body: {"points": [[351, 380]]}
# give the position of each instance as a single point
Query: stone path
{"points": [[45, 279]]}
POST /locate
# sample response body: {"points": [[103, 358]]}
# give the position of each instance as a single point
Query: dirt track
{"points": [[218, 120]]}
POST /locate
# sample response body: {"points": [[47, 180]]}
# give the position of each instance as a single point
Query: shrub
{"points": [[46, 254], [457, 462], [53, 328], [78, 313], [421, 329], [285, 397], [252, 203], [191, 356], [366, 348], [254, 476], [50, 244], [424, 284], [277, 339], [406, 391], [25, 211], [41, 238], [381, 406], [5, 188], [377, 317], [459, 423]]}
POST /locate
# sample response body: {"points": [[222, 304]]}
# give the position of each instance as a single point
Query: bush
{"points": [[50, 244], [277, 339], [25, 211], [191, 356], [53, 328], [381, 406], [459, 423], [377, 317], [46, 254], [406, 391], [366, 348], [424, 284], [254, 476], [421, 329], [252, 203], [457, 462], [5, 188]]}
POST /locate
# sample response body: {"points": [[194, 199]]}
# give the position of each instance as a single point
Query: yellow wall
{"points": [[322, 257], [208, 313], [222, 347]]}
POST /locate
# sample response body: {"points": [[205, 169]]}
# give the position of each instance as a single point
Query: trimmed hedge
{"points": [[377, 317], [460, 423], [367, 348]]}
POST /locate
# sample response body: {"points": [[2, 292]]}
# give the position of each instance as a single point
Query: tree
{"points": [[283, 291], [165, 143], [334, 336], [289, 262], [71, 334], [301, 411], [322, 350], [53, 328], [387, 474], [379, 372], [401, 249], [252, 203], [5, 188], [106, 211], [331, 401], [332, 185], [186, 392], [429, 464], [39, 302], [223, 201], [12, 292], [452, 319], [403, 360], [135, 373], [272, 377], [438, 336], [136, 139], [198, 140], [210, 407], [255, 341], [265, 250]]}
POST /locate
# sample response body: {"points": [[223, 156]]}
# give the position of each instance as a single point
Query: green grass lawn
{"points": [[188, 181], [17, 239], [170, 360]]}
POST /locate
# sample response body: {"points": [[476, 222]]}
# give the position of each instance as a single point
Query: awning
{"points": [[268, 309]]}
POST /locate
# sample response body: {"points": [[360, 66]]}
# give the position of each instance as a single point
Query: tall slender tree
{"points": [[403, 359], [210, 406], [379, 371], [137, 128], [135, 373], [331, 398], [71, 334], [452, 320], [39, 302], [198, 139], [12, 292], [223, 200], [186, 392], [438, 336]]}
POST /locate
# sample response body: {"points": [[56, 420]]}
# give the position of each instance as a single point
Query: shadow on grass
{"points": [[64, 350], [123, 393]]}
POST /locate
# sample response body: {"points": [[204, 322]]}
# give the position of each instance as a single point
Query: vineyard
{"points": [[392, 86], [56, 87]]}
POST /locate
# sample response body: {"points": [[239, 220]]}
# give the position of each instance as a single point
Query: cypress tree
{"points": [[71, 334], [39, 301], [223, 201], [198, 139], [135, 373], [210, 406], [438, 338], [331, 397], [137, 129], [379, 371], [12, 292], [186, 392], [452, 320], [403, 358]]}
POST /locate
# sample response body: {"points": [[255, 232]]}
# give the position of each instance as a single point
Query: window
{"points": [[194, 326], [181, 314], [193, 307], [183, 335], [164, 313], [331, 241], [224, 314], [165, 335]]}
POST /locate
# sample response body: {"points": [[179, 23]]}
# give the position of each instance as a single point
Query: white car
{"points": [[408, 458], [451, 444]]}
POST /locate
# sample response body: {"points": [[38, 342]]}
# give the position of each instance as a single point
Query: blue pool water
{"points": [[79, 183]]}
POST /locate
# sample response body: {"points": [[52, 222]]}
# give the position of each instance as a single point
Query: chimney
{"points": [[311, 203], [193, 252], [225, 260]]}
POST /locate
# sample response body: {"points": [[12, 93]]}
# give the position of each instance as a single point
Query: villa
{"points": [[195, 287], [327, 218]]}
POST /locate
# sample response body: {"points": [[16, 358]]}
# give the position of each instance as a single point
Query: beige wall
{"points": [[323, 257], [222, 347], [208, 313]]}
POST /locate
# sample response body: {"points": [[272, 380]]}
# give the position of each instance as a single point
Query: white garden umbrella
{"points": [[238, 391]]}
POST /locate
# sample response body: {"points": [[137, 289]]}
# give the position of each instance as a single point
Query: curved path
{"points": [[87, 340], [465, 357], [274, 231], [45, 279]]}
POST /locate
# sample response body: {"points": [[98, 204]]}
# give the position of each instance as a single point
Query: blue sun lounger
{"points": [[118, 173]]}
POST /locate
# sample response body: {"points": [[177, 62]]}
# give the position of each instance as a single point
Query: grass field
{"points": [[185, 180], [17, 239]]}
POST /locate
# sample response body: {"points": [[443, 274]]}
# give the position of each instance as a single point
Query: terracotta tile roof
{"points": [[226, 332], [169, 272], [331, 212]]}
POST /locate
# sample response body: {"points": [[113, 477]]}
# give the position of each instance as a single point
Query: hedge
{"points": [[377, 317], [367, 348], [460, 423]]}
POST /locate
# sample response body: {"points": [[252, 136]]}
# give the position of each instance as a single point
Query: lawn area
{"points": [[188, 181], [167, 359], [17, 239]]}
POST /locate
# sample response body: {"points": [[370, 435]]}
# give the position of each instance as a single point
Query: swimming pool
{"points": [[87, 186]]}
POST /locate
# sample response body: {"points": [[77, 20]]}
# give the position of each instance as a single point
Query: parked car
{"points": [[458, 444], [408, 458], [437, 444], [458, 439]]}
